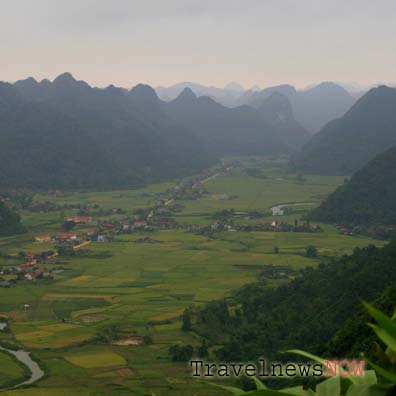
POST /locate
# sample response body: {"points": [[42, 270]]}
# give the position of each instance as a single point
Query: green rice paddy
{"points": [[141, 288]]}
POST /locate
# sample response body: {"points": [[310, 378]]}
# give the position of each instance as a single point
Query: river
{"points": [[278, 210], [24, 358]]}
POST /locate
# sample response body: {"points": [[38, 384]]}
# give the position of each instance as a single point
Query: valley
{"points": [[104, 319]]}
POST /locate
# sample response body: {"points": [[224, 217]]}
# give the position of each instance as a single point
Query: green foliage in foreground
{"points": [[377, 382]]}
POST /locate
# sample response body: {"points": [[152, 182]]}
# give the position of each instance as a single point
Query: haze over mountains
{"points": [[312, 108], [227, 96], [346, 144], [66, 134], [238, 131]]}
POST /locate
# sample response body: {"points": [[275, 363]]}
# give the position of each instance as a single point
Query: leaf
{"points": [[330, 387], [368, 390], [384, 321], [369, 378], [231, 389], [270, 392], [307, 355], [384, 373], [259, 384], [314, 358], [384, 336], [298, 390]]}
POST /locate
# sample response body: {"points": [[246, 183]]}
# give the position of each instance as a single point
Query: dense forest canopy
{"points": [[368, 198], [305, 313]]}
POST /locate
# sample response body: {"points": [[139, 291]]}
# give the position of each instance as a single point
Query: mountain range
{"points": [[242, 130], [312, 108], [346, 144], [227, 96], [66, 134]]}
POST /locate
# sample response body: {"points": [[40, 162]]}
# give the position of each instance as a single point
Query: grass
{"points": [[11, 371], [143, 288], [96, 359]]}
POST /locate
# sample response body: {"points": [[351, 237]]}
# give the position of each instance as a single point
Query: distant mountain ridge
{"points": [[66, 134], [226, 96], [348, 143], [312, 108], [278, 112], [237, 131]]}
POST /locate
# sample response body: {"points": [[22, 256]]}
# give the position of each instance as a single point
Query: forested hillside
{"points": [[305, 313], [346, 144], [355, 337], [66, 134], [368, 198]]}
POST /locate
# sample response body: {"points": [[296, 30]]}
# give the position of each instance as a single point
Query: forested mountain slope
{"points": [[368, 198], [66, 134], [345, 145], [305, 313]]}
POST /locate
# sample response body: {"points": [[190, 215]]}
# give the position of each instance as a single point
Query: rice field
{"points": [[142, 289]]}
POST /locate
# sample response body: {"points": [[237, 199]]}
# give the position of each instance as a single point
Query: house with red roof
{"points": [[43, 238]]}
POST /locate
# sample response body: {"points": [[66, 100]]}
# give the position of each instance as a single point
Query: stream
{"points": [[278, 210], [24, 358]]}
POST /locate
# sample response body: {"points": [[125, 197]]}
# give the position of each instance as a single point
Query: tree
{"points": [[300, 179], [66, 250], [203, 350], [311, 251], [276, 250], [186, 318], [181, 353], [68, 225]]}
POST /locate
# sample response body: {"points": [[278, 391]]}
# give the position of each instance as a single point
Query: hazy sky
{"points": [[213, 42]]}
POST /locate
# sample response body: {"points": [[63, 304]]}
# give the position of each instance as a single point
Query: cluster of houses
{"points": [[274, 226], [103, 233], [345, 230], [31, 269], [280, 226], [158, 216]]}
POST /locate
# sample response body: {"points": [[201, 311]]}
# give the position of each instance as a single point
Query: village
{"points": [[79, 231]]}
